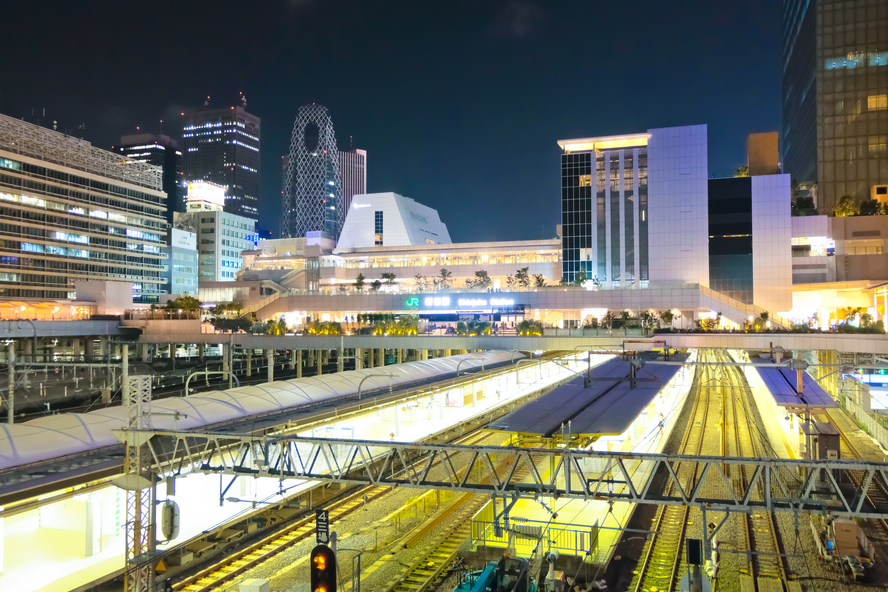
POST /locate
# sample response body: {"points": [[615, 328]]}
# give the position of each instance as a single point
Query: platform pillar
{"points": [[400, 354], [226, 367], [93, 527], [249, 362], [447, 353], [380, 357], [103, 347], [319, 358], [10, 398], [201, 352], [76, 348], [371, 353], [298, 358], [269, 355]]}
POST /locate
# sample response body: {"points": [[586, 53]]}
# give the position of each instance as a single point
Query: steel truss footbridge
{"points": [[837, 487]]}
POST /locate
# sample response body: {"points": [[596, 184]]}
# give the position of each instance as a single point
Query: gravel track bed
{"points": [[365, 530], [797, 540]]}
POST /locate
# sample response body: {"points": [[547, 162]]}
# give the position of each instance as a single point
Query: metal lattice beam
{"points": [[139, 488], [776, 485], [313, 181], [45, 144]]}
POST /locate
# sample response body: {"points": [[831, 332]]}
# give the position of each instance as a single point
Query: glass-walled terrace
{"points": [[443, 259]]}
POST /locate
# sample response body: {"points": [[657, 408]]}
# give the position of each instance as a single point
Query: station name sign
{"points": [[448, 302]]}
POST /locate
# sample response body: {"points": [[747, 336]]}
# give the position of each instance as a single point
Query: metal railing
{"points": [[870, 424], [750, 309]]}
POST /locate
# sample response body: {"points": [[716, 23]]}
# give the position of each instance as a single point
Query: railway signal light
{"points": [[323, 569]]}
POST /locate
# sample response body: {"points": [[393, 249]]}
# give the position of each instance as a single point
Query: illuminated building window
{"points": [[877, 102], [585, 180], [377, 228], [877, 145]]}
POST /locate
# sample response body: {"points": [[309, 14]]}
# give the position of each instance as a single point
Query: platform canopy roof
{"points": [[64, 434], [782, 384], [606, 408]]}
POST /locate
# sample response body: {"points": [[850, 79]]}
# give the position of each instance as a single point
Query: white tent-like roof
{"points": [[54, 436]]}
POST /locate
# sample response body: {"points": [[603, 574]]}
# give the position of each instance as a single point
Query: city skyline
{"points": [[425, 114]]}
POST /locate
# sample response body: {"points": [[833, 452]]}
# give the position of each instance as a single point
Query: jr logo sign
{"points": [[412, 302]]}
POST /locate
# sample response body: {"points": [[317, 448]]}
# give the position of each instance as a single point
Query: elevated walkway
{"points": [[565, 340]]}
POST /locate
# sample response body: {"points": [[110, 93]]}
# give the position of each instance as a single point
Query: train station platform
{"points": [[610, 416], [606, 407], [774, 390], [75, 538]]}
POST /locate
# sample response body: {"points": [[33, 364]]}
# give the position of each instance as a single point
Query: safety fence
{"points": [[869, 423], [523, 535]]}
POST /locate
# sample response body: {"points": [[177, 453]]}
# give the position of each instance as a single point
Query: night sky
{"points": [[458, 103]]}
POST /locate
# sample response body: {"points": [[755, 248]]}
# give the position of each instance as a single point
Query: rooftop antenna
{"points": [[207, 102], [243, 101], [161, 127], [351, 142]]}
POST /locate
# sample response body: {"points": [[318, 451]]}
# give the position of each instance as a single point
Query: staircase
{"points": [[736, 311]]}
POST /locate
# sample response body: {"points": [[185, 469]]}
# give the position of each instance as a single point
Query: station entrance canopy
{"points": [[835, 487]]}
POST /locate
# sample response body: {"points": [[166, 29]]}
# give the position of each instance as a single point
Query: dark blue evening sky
{"points": [[458, 103]]}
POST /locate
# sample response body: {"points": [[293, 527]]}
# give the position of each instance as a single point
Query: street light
{"points": [[366, 376], [466, 360]]}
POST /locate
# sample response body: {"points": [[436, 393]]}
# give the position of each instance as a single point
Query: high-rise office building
{"points": [[639, 211], [835, 84], [608, 208], [353, 165], [312, 199], [74, 212], [164, 152], [222, 146], [221, 237]]}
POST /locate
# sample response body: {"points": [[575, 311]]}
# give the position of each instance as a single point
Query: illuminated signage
{"points": [[856, 59], [445, 301], [436, 301], [201, 192]]}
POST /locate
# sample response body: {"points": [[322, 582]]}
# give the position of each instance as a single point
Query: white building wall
{"points": [[808, 226], [678, 204], [222, 257], [405, 222], [772, 230]]}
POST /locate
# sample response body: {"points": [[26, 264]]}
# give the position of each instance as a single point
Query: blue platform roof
{"points": [[606, 408], [782, 384]]}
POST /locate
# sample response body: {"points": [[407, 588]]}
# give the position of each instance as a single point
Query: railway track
{"points": [[433, 564], [658, 567], [876, 494], [258, 553], [765, 564]]}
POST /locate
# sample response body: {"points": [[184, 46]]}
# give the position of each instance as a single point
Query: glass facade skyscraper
{"points": [[222, 146], [835, 96], [162, 151], [604, 217]]}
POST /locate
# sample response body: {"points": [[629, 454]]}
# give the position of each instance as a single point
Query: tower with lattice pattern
{"points": [[313, 180]]}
